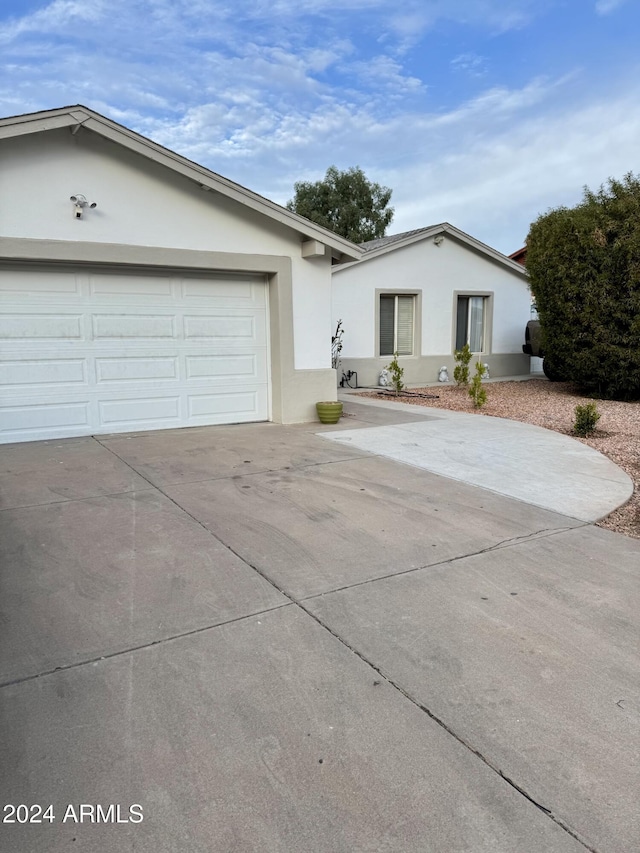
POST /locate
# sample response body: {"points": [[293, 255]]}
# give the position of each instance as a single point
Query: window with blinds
{"points": [[396, 324], [470, 324]]}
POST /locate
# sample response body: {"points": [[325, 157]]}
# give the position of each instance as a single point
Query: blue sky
{"points": [[483, 113]]}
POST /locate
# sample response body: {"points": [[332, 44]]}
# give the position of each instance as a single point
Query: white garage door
{"points": [[92, 351]]}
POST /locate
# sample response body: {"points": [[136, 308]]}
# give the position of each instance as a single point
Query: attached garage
{"points": [[177, 299], [97, 350]]}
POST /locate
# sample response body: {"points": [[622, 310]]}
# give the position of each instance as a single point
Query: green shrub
{"points": [[461, 371], [585, 276], [397, 373], [477, 392], [587, 417]]}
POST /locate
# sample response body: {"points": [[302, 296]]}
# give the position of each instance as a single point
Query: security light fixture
{"points": [[79, 203]]}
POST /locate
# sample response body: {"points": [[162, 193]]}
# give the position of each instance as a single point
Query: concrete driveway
{"points": [[253, 638]]}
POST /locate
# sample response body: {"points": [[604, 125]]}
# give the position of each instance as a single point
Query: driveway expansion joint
{"points": [[239, 473], [505, 543], [76, 500], [142, 646]]}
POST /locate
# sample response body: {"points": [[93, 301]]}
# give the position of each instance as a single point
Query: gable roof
{"points": [[383, 245], [78, 116], [382, 242]]}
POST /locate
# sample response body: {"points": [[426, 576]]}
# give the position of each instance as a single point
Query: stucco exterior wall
{"points": [[438, 273], [142, 203]]}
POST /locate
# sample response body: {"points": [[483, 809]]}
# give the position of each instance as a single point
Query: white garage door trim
{"points": [[97, 350]]}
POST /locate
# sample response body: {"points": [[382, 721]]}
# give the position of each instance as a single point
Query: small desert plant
{"points": [[397, 373], [336, 345], [587, 417], [461, 370], [477, 392]]}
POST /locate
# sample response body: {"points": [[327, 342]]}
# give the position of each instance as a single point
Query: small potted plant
{"points": [[329, 411]]}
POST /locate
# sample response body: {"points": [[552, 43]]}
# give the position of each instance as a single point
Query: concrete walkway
{"points": [[535, 465], [260, 638]]}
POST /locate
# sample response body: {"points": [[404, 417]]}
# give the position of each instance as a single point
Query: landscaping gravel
{"points": [[552, 405]]}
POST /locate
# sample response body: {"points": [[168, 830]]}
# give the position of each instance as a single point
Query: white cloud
{"points": [[58, 17], [605, 7], [169, 22], [384, 74], [470, 63], [501, 103]]}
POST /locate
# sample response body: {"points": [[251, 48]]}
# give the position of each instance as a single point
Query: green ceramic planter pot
{"points": [[329, 412]]}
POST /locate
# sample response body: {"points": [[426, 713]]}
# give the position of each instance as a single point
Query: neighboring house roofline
{"points": [[520, 256], [78, 116], [376, 248]]}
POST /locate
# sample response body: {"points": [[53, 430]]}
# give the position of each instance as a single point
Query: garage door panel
{"points": [[40, 327], [130, 286], [137, 412], [225, 367], [136, 369], [122, 326], [41, 419], [237, 292], [34, 285], [27, 373], [122, 353], [242, 329], [226, 405]]}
